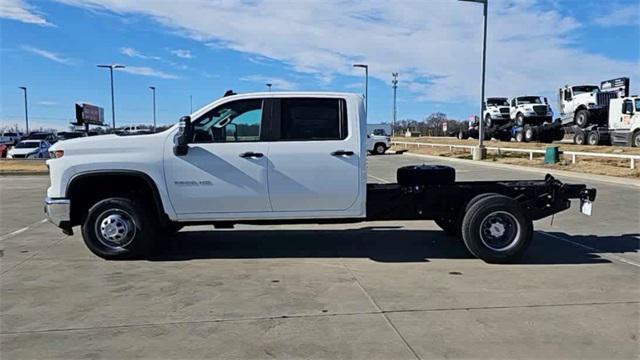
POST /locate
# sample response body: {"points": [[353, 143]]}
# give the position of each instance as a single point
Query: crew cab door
{"points": [[225, 168], [315, 156]]}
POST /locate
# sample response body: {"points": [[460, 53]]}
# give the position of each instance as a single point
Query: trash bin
{"points": [[552, 155]]}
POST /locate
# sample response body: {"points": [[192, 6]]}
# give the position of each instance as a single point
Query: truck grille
{"points": [[540, 109], [603, 98], [504, 111]]}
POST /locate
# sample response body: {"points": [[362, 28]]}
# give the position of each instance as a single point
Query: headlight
{"points": [[57, 154]]}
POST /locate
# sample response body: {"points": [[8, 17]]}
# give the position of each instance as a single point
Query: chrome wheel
{"points": [[499, 231], [115, 228]]}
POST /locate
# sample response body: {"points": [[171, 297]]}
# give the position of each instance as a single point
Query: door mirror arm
{"points": [[185, 135]]}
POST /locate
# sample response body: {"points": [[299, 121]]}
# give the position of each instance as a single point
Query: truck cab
{"points": [[530, 110], [276, 158], [496, 111], [624, 121]]}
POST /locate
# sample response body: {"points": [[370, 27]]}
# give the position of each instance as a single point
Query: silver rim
{"points": [[115, 228], [500, 231], [380, 149], [637, 140]]}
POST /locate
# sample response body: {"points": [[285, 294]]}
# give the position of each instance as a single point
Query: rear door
{"points": [[314, 156]]}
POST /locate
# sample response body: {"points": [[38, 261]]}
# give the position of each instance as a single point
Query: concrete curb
{"points": [[603, 178]]}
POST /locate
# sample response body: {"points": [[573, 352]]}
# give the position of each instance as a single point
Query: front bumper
{"points": [[58, 212]]}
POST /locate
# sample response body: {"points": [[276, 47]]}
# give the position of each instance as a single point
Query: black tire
{"points": [[635, 139], [487, 121], [117, 229], [496, 229], [582, 118], [520, 119], [579, 138], [519, 136], [593, 138], [529, 133], [379, 148]]}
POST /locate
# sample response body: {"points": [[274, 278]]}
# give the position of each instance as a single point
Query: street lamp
{"points": [[26, 112], [366, 85], [395, 108], [153, 91], [113, 106], [480, 152], [269, 85]]}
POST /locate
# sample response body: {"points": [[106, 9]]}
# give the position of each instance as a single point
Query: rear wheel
{"points": [[118, 228], [519, 136], [593, 138], [579, 138], [496, 229], [582, 118], [529, 133]]}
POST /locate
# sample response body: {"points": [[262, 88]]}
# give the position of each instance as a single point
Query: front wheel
{"points": [[379, 149], [582, 118], [520, 119], [496, 229], [487, 120], [635, 140], [118, 228]]}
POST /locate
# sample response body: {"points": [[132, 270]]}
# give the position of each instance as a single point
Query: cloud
{"points": [[147, 71], [620, 15], [435, 45], [277, 83], [131, 52], [185, 54], [47, 103], [21, 11], [47, 55]]}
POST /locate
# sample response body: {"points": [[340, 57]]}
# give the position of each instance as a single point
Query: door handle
{"points": [[251, 155], [342, 153]]}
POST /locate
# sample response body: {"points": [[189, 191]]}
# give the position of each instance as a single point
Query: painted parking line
{"points": [[20, 231], [600, 252], [379, 179]]}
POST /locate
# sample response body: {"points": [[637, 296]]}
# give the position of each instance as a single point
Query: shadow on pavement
{"points": [[378, 244]]}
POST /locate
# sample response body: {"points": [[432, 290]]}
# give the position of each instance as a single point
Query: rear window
{"points": [[313, 119]]}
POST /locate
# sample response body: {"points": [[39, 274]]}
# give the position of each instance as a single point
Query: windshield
{"points": [[497, 102], [27, 145], [584, 89], [379, 132], [10, 134], [529, 100]]}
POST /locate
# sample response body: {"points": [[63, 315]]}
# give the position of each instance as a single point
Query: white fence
{"points": [[574, 154]]}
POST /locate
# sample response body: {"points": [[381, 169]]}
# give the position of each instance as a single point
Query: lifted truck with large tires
{"points": [[277, 158]]}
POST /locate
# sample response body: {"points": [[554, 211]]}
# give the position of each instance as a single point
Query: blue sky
{"points": [[203, 48]]}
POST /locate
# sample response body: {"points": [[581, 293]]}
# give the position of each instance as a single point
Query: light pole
{"points": [[190, 104], [26, 111], [480, 152], [113, 106], [269, 85], [366, 85], [153, 91], [395, 108]]}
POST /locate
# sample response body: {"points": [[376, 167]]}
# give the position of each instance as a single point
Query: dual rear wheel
{"points": [[494, 228]]}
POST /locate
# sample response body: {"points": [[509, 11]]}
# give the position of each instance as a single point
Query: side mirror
{"points": [[185, 134], [546, 101]]}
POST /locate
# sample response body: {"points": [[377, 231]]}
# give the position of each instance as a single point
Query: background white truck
{"points": [[274, 158]]}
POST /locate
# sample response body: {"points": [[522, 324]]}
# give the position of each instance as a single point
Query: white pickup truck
{"points": [[274, 158]]}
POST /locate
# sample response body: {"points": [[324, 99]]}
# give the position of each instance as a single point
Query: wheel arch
{"points": [[85, 188]]}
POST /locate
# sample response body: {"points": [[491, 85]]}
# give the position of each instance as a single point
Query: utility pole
{"points": [[153, 90], [366, 85], [190, 104], [395, 103], [480, 152], [269, 86], [113, 106], [26, 111]]}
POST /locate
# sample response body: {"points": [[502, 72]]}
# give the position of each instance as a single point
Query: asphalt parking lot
{"points": [[398, 290]]}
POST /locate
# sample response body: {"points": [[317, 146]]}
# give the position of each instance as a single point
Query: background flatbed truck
{"points": [[307, 165]]}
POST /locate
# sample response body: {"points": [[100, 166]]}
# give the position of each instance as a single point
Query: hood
{"points": [[585, 97], [110, 144], [23, 151]]}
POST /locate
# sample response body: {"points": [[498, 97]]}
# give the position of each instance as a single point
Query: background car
{"points": [[29, 149], [49, 137], [66, 135], [10, 138]]}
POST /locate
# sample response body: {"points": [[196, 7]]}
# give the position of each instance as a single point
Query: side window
{"points": [[513, 102], [637, 105], [627, 107], [237, 121], [313, 119]]}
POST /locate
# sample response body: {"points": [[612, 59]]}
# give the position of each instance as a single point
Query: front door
{"points": [[225, 169], [314, 158]]}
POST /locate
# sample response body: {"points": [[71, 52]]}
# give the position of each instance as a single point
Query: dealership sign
{"points": [[89, 114]]}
